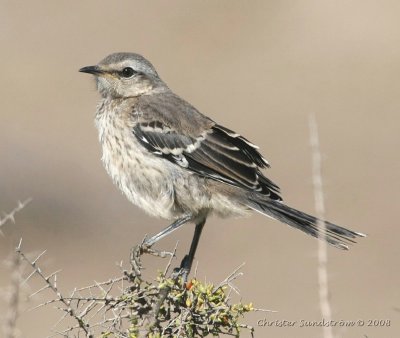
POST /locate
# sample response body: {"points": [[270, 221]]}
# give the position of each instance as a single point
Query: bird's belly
{"points": [[161, 188], [140, 176]]}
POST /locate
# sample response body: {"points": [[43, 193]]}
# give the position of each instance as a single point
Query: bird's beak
{"points": [[95, 70]]}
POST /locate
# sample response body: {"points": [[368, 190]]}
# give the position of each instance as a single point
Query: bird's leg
{"points": [[187, 261], [170, 228], [146, 245]]}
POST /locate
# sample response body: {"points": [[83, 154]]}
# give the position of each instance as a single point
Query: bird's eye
{"points": [[127, 72]]}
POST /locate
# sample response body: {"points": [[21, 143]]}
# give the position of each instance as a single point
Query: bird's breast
{"points": [[140, 175]]}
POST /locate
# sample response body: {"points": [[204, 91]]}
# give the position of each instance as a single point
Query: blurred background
{"points": [[258, 67]]}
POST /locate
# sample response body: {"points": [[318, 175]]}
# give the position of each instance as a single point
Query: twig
{"points": [[228, 280], [322, 244], [11, 215], [170, 259], [51, 285], [13, 303]]}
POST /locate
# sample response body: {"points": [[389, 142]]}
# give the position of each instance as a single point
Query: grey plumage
{"points": [[178, 164]]}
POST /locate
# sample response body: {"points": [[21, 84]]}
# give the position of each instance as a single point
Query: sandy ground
{"points": [[258, 67]]}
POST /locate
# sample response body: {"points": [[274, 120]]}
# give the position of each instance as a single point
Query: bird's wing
{"points": [[212, 151]]}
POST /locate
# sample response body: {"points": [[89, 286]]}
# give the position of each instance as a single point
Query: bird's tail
{"points": [[335, 235]]}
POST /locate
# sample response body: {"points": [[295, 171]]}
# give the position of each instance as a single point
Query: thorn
{"points": [[18, 249], [38, 257]]}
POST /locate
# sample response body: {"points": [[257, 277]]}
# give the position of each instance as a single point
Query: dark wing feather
{"points": [[217, 153]]}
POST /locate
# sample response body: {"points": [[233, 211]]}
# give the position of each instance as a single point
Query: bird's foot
{"points": [[136, 252], [144, 248], [183, 270]]}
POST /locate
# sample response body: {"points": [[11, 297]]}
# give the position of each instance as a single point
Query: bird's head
{"points": [[125, 75]]}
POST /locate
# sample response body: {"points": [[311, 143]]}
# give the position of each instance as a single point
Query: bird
{"points": [[180, 165]]}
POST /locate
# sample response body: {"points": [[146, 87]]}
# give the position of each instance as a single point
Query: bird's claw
{"points": [[136, 252], [144, 248], [158, 253], [182, 270]]}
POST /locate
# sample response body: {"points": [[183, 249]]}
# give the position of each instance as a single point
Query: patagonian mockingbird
{"points": [[180, 165]]}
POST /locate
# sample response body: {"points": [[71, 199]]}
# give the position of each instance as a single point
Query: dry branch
{"points": [[128, 306], [320, 213]]}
